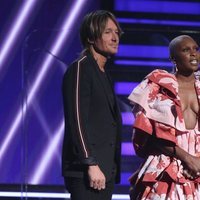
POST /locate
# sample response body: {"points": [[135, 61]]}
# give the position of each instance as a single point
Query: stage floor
{"points": [[43, 192]]}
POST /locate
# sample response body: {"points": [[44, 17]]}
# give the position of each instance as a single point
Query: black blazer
{"points": [[92, 126]]}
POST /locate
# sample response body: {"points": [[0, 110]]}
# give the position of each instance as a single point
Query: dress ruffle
{"points": [[161, 168], [157, 97]]}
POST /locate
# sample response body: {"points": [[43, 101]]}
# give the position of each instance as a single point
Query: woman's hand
{"points": [[191, 168], [189, 175]]}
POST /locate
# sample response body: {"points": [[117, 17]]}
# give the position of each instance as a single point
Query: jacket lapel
{"points": [[100, 78]]}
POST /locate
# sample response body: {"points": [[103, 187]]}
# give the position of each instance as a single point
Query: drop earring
{"points": [[175, 66]]}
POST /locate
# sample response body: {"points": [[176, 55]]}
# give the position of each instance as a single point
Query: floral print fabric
{"points": [[157, 110]]}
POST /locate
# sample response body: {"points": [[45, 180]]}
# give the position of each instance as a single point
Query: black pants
{"points": [[80, 189]]}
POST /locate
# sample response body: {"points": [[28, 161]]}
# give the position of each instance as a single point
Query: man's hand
{"points": [[96, 177]]}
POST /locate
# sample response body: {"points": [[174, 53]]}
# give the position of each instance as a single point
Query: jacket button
{"points": [[114, 124], [112, 144]]}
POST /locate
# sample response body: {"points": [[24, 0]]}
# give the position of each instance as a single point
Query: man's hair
{"points": [[93, 26]]}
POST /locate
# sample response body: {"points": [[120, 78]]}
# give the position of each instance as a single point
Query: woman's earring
{"points": [[175, 66]]}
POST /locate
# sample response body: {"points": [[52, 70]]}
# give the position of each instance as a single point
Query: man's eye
{"points": [[108, 31]]}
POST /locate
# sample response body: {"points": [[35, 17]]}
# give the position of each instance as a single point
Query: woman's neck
{"points": [[185, 78]]}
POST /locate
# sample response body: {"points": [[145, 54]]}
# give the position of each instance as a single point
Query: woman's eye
{"points": [[185, 50]]}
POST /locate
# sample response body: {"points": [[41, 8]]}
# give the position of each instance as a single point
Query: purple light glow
{"points": [[43, 163], [125, 177], [68, 22], [159, 22], [10, 132], [158, 6], [53, 195], [67, 25], [127, 149], [35, 194], [44, 123], [143, 51], [127, 118], [144, 63], [15, 29], [40, 77], [124, 88]]}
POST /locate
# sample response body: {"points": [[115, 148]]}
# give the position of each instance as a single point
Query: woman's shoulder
{"points": [[159, 74], [162, 77]]}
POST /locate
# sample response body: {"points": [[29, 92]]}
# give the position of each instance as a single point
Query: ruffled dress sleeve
{"points": [[156, 106]]}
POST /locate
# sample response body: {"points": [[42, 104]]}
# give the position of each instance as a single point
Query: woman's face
{"points": [[187, 55], [109, 41]]}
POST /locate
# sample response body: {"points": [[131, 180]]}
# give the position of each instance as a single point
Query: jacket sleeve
{"points": [[77, 87]]}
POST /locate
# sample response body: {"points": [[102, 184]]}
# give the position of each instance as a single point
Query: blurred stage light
{"points": [[53, 195], [127, 118], [127, 149], [124, 88], [159, 22], [46, 156], [137, 63], [158, 6], [16, 29], [40, 77], [66, 26], [143, 51]]}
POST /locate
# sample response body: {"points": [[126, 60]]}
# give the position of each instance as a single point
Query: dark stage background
{"points": [[38, 39]]}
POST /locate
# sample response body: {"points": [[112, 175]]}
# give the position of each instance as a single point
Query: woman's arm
{"points": [[145, 143], [190, 163]]}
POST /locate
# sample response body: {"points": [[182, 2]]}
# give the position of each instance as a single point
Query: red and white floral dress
{"points": [[157, 111]]}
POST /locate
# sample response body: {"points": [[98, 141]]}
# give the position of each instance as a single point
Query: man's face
{"points": [[109, 41]]}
